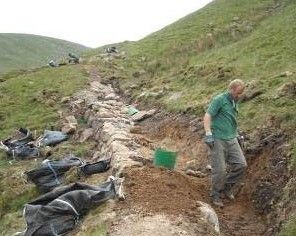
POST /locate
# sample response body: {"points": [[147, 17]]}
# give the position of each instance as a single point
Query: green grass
{"points": [[293, 155], [14, 191], [179, 58], [12, 223], [93, 224], [251, 40], [32, 100], [19, 202], [21, 51], [289, 228], [75, 148], [99, 230]]}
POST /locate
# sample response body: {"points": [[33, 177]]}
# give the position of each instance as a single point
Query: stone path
{"points": [[109, 125]]}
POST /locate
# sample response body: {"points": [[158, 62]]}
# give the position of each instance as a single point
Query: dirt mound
{"points": [[183, 134], [161, 202], [159, 190]]}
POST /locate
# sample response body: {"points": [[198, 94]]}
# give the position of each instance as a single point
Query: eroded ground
{"points": [[159, 195], [165, 202], [159, 190]]}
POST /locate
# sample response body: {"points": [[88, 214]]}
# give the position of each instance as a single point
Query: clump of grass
{"points": [[99, 230], [14, 190], [12, 222], [289, 228], [92, 224], [78, 149], [19, 201]]}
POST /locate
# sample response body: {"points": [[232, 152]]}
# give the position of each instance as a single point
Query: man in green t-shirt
{"points": [[220, 124]]}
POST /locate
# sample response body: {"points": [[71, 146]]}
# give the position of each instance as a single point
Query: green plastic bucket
{"points": [[165, 158], [132, 110]]}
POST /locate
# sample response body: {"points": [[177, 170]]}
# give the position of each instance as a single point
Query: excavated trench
{"points": [[160, 201]]}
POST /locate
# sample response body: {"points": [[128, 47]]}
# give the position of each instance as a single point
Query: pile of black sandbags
{"points": [[50, 174]]}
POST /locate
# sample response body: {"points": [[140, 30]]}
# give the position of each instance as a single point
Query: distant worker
{"points": [[220, 124], [52, 63], [73, 59], [111, 50]]}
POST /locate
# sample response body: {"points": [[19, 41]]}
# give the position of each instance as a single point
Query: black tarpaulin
{"points": [[51, 138], [50, 174], [21, 146], [58, 211]]}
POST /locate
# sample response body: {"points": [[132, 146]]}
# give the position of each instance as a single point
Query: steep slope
{"points": [[183, 65], [186, 63], [179, 69], [201, 53], [21, 51]]}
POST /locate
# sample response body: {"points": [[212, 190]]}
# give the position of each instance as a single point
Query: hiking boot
{"points": [[228, 192], [217, 202], [231, 191]]}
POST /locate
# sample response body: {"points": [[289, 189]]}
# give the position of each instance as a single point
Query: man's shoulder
{"points": [[220, 96]]}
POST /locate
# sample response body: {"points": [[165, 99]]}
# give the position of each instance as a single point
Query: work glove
{"points": [[209, 140], [241, 140]]}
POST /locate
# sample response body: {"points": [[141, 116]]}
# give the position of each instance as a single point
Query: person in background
{"points": [[220, 124], [52, 63], [73, 59]]}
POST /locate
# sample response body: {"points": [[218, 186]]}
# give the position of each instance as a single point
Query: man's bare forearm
{"points": [[207, 123]]}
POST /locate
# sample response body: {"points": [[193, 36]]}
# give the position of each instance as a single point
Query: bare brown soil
{"points": [[163, 191], [157, 190], [151, 191]]}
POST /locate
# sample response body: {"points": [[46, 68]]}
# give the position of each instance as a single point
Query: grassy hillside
{"points": [[32, 99], [178, 68], [21, 51], [182, 66]]}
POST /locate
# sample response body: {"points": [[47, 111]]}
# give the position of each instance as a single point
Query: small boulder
{"points": [[86, 134], [68, 129], [71, 120]]}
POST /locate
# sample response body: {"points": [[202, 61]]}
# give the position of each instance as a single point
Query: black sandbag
{"points": [[50, 174], [94, 168], [51, 138], [22, 146], [58, 211], [23, 152], [25, 136]]}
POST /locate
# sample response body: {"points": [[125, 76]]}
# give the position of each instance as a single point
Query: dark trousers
{"points": [[226, 153]]}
